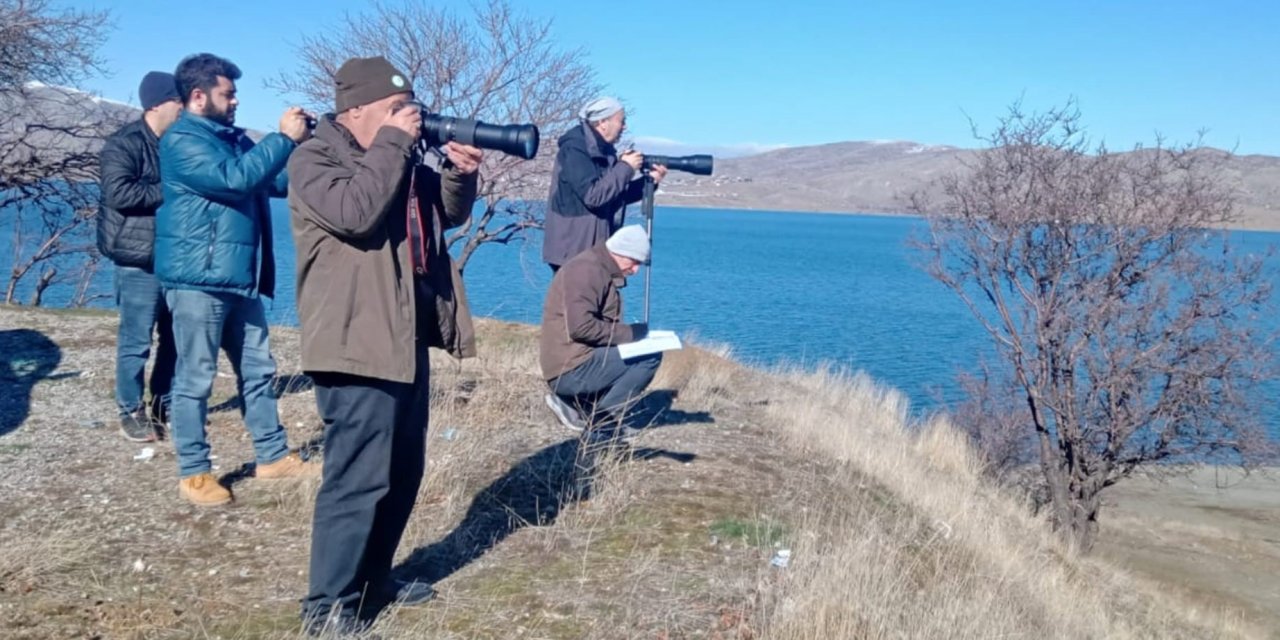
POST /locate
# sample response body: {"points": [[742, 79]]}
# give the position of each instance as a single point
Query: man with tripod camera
{"points": [[590, 183], [376, 287]]}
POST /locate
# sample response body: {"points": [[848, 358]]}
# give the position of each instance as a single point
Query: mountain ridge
{"points": [[879, 176], [874, 177]]}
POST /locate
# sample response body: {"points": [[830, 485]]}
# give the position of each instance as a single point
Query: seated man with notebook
{"points": [[582, 325]]}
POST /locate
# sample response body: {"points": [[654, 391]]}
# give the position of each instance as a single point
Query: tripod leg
{"points": [[647, 209]]}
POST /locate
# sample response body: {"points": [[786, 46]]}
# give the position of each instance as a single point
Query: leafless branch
{"points": [[494, 65], [49, 138]]}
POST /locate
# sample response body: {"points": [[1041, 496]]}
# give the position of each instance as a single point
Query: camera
{"points": [[519, 140], [699, 164]]}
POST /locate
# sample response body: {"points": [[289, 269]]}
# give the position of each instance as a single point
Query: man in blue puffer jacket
{"points": [[213, 255]]}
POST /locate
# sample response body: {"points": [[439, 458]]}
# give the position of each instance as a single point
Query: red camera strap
{"points": [[417, 235]]}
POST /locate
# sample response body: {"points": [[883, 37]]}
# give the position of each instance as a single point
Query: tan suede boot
{"points": [[203, 490], [290, 466]]}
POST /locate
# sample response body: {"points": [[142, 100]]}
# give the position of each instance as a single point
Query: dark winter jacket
{"points": [[361, 307], [213, 232], [129, 185], [589, 190]]}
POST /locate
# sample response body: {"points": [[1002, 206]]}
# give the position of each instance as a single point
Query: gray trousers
{"points": [[606, 384]]}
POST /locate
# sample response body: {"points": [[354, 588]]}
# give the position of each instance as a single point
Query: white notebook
{"points": [[657, 340]]}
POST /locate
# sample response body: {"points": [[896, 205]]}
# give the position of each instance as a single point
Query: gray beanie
{"points": [[630, 242], [599, 109]]}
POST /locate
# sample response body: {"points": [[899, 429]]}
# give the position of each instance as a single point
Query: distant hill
{"points": [[876, 177], [841, 177], [91, 117]]}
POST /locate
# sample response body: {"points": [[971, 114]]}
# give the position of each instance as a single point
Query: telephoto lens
{"points": [[697, 164], [520, 140]]}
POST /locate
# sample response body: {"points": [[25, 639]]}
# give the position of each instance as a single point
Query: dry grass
{"points": [[941, 554], [893, 531]]}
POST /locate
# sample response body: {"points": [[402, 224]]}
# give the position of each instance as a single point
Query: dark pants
{"points": [[606, 382], [374, 457], [142, 310]]}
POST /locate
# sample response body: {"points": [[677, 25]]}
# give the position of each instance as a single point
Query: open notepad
{"points": [[654, 342]]}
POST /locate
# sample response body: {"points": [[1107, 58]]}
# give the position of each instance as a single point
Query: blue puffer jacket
{"points": [[213, 232]]}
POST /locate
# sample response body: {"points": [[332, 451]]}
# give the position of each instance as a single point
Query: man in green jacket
{"points": [[375, 288], [214, 258]]}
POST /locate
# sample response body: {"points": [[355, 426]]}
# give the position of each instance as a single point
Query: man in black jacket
{"points": [[130, 190], [590, 183]]}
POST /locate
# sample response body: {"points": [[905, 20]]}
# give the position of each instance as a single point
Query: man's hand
{"points": [[633, 158], [657, 172], [294, 124], [465, 158], [639, 330], [407, 119]]}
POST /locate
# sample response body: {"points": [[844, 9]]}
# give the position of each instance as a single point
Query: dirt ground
{"points": [[672, 539], [95, 542], [1213, 535]]}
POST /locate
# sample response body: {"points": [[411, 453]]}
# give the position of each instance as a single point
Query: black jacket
{"points": [[589, 188], [129, 173]]}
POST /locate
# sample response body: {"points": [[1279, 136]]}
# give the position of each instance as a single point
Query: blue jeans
{"points": [[201, 322], [142, 309]]}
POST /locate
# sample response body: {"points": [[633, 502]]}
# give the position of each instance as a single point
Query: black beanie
{"points": [[157, 87], [360, 81]]}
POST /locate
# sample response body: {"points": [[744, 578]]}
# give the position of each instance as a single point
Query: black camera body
{"points": [[700, 164], [519, 140]]}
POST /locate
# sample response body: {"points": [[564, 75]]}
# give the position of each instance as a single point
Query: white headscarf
{"points": [[599, 109]]}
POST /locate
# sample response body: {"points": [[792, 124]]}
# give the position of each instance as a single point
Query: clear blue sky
{"points": [[753, 74]]}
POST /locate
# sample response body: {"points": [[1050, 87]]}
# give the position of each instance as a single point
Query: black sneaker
{"points": [[567, 415], [137, 427]]}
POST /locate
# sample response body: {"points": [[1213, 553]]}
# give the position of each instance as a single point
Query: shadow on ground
{"points": [[531, 493], [26, 357], [280, 386], [654, 411]]}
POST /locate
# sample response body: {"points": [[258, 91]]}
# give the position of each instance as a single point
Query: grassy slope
{"points": [[892, 535]]}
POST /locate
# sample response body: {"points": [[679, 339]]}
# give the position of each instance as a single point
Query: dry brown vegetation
{"points": [[894, 533]]}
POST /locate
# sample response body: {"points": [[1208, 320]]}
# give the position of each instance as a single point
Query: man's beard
{"points": [[221, 116]]}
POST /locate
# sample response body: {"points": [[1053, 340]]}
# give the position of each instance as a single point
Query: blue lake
{"points": [[778, 287]]}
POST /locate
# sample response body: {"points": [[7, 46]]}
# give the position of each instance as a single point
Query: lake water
{"points": [[778, 287]]}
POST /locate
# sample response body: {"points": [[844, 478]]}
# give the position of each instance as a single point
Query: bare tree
{"points": [[1129, 326], [49, 136], [495, 66], [44, 44], [996, 424]]}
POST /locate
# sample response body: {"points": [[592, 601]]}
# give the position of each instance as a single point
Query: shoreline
{"points": [[1243, 225], [1210, 536]]}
